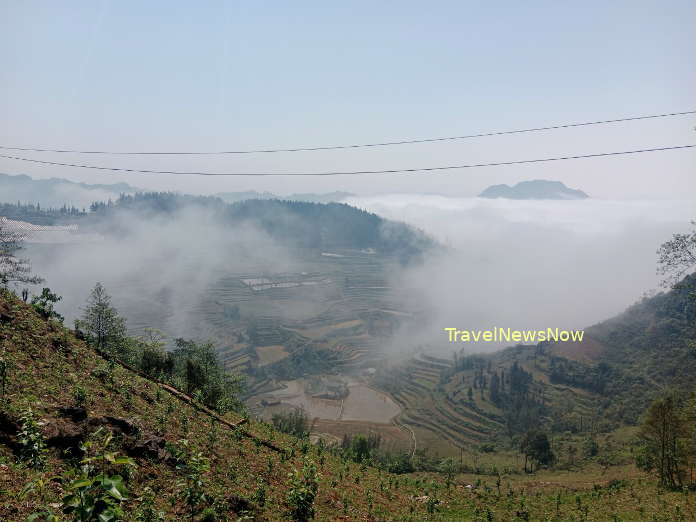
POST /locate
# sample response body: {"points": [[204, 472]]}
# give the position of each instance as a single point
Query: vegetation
{"points": [[34, 213], [32, 447], [96, 493], [535, 446], [294, 422], [666, 441], [101, 323], [44, 304], [95, 425], [304, 484], [677, 257], [13, 269], [297, 224], [193, 367], [164, 482]]}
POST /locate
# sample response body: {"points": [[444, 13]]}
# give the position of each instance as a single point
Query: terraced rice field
{"points": [[271, 354], [436, 419]]}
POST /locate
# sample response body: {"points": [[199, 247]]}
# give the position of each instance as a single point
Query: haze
{"points": [[531, 264], [234, 75]]}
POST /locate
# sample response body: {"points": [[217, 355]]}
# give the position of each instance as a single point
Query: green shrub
{"points": [[304, 485], [31, 441], [97, 494]]}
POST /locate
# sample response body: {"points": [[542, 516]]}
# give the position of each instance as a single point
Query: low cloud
{"points": [[529, 264], [158, 269]]}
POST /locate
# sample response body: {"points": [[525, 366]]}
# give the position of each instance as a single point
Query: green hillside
{"points": [[80, 433], [601, 384], [296, 224]]}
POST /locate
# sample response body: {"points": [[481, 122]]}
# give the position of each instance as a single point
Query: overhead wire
{"points": [[349, 146], [354, 172]]}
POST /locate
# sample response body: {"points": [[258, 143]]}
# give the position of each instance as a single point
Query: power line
{"points": [[352, 146], [355, 172]]}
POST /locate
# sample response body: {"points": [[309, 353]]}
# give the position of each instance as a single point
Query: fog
{"points": [[530, 264], [506, 263], [157, 269], [55, 192]]}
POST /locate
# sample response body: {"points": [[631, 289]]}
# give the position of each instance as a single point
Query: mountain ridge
{"points": [[534, 189]]}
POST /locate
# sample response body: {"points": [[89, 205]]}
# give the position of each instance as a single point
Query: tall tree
{"points": [[101, 322], [495, 388], [677, 257], [662, 450], [14, 269], [535, 446]]}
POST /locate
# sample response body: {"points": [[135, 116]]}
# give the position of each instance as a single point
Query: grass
{"points": [[46, 365]]}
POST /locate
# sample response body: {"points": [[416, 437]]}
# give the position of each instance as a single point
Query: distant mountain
{"points": [[56, 192], [330, 197], [536, 189], [234, 197]]}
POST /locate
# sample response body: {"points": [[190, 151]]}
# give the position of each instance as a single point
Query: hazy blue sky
{"points": [[226, 75]]}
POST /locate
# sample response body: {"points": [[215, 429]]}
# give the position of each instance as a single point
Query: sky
{"points": [[218, 75]]}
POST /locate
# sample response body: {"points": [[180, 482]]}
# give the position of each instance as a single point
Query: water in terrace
{"points": [[363, 403]]}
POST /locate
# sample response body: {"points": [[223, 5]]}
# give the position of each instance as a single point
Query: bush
{"points": [[304, 485], [294, 423], [31, 441], [44, 304]]}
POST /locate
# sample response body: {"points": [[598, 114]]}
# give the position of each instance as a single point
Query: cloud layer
{"points": [[532, 264]]}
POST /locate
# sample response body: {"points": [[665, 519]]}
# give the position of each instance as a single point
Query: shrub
{"points": [[31, 441], [193, 465], [80, 396], [97, 493], [294, 423], [44, 304], [304, 485]]}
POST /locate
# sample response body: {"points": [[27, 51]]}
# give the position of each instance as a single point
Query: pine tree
{"points": [[662, 451], [101, 322]]}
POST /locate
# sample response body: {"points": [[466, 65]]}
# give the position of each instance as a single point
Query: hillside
{"points": [[535, 189], [602, 384], [47, 367], [295, 224], [85, 406], [330, 197]]}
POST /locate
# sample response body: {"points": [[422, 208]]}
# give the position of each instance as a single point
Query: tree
{"points": [[14, 269], [197, 368], [294, 422], [101, 322], [535, 445], [677, 257], [45, 304], [152, 357], [449, 468], [495, 388], [661, 449]]}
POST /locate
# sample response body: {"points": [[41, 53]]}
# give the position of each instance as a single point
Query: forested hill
{"points": [[297, 224], [633, 358], [602, 383]]}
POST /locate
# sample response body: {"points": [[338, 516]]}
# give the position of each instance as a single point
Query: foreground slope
{"points": [[48, 367], [75, 392]]}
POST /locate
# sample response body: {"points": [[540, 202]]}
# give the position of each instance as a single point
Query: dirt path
{"points": [[413, 435]]}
